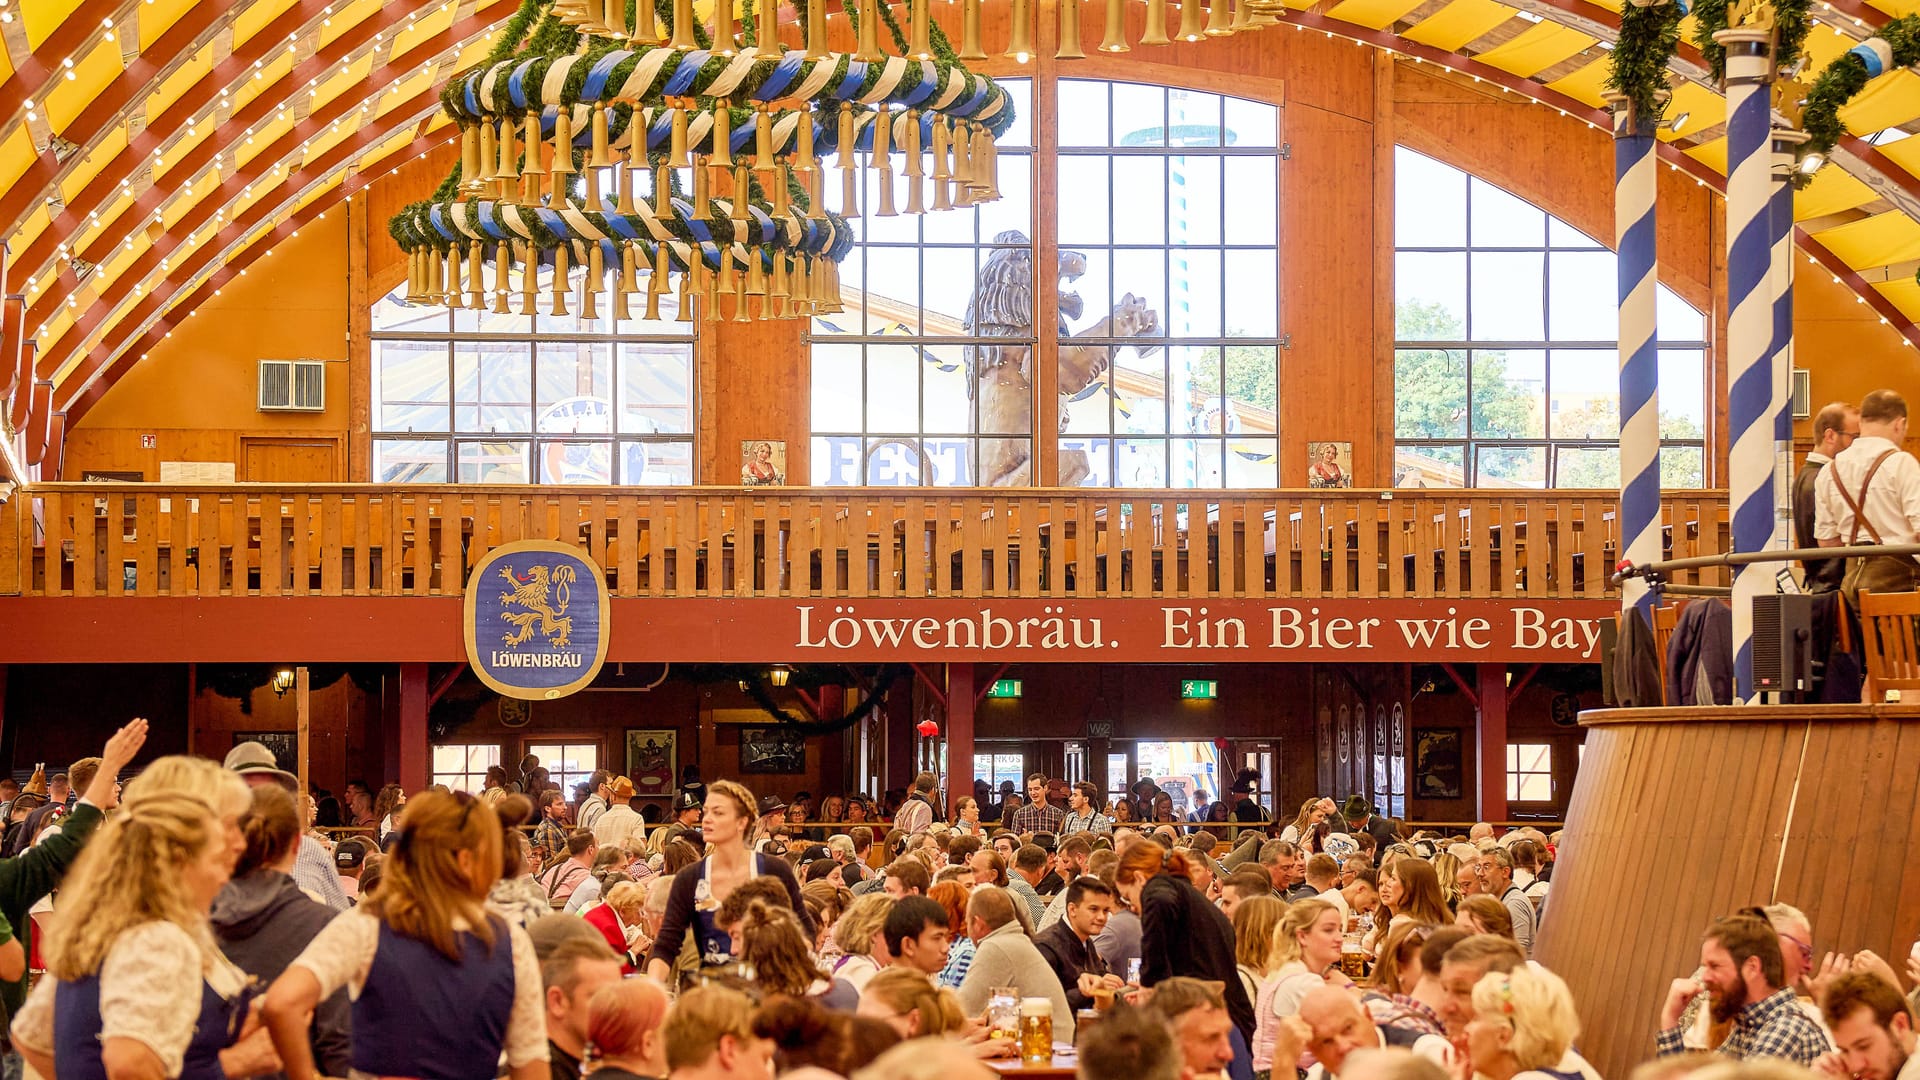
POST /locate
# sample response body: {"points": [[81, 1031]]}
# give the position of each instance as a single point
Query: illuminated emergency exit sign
{"points": [[1005, 688], [1199, 689]]}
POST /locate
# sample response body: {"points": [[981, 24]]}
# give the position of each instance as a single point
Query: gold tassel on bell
{"points": [[476, 284], [763, 160], [530, 282], [722, 137], [940, 149], [702, 205], [686, 287], [562, 166], [677, 139], [1069, 32], [646, 27], [1219, 18], [1156, 31], [663, 192], [470, 156], [804, 160], [970, 31], [817, 44], [682, 26], [623, 183], [1115, 38], [919, 30], [533, 166], [778, 288], [1193, 25], [849, 192], [1020, 45], [502, 282], [756, 274], [509, 154], [560, 280], [591, 284], [742, 177], [867, 48], [601, 157], [724, 42], [489, 162]]}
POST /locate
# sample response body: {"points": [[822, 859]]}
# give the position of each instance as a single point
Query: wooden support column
{"points": [[960, 703], [412, 728], [1490, 740], [303, 730]]}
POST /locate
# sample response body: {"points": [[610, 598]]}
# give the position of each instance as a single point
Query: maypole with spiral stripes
{"points": [[1785, 172], [1635, 184], [1750, 414]]}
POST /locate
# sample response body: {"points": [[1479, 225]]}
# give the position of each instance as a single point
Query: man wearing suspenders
{"points": [[1871, 495]]}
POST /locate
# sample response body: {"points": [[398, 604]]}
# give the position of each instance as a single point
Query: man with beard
{"points": [[1872, 1029], [1742, 973]]}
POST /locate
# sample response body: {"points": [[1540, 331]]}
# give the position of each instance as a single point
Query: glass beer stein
{"points": [[1036, 1030]]}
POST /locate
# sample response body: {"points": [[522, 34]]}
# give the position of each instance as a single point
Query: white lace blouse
{"points": [[142, 996]]}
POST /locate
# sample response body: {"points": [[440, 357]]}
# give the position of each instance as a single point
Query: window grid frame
{"points": [[1470, 445], [532, 438], [1217, 444]]}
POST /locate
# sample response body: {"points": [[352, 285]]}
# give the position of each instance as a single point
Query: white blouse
{"points": [[342, 955], [142, 996]]}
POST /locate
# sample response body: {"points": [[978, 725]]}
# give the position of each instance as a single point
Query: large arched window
{"points": [[1166, 223], [475, 397], [1506, 368]]}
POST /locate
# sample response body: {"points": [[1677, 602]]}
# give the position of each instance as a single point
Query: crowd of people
{"points": [[517, 933]]}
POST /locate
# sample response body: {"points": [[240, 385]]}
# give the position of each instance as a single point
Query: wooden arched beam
{"points": [[31, 77], [161, 297], [288, 148], [129, 89], [230, 136], [91, 389]]}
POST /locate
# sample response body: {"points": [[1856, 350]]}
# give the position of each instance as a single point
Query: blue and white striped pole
{"points": [[1750, 417], [1635, 185], [1785, 176]]}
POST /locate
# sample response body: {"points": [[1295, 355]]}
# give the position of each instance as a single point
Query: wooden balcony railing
{"points": [[366, 540]]}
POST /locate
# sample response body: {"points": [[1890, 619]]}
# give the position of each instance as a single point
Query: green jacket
{"points": [[34, 874]]}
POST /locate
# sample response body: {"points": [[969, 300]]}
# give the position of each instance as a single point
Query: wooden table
{"points": [[1060, 1068]]}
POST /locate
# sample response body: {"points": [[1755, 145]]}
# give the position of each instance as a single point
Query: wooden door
{"points": [[290, 460]]}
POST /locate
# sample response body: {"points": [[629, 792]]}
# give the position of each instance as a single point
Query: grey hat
{"points": [[251, 758]]}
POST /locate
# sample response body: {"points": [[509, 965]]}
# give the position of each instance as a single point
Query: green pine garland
{"points": [[1792, 20], [1845, 77], [1648, 38]]}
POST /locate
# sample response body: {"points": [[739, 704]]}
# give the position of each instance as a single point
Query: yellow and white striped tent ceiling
{"points": [[154, 148]]}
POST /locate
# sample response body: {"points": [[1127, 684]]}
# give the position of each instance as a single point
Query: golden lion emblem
{"points": [[538, 592]]}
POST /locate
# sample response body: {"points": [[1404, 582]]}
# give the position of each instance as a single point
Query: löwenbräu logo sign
{"points": [[536, 620]]}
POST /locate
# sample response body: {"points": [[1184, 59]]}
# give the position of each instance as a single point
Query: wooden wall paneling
{"points": [[1326, 229]]}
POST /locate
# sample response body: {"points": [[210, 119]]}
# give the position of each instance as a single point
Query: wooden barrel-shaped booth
{"points": [[1682, 815]]}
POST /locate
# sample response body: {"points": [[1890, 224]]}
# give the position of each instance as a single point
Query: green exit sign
{"points": [[1199, 689], [1009, 688]]}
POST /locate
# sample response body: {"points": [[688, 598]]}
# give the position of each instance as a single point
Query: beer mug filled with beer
{"points": [[1353, 957], [1036, 1030]]}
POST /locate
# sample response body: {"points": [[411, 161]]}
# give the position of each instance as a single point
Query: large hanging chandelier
{"points": [[627, 139]]}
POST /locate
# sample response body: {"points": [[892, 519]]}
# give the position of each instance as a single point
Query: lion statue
{"points": [[1000, 377]]}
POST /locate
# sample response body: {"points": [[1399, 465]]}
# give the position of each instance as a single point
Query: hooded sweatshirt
{"points": [[263, 921]]}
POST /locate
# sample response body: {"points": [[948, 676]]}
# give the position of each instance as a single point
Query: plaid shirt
{"points": [[1402, 1012], [1773, 1027], [1034, 818], [1093, 821]]}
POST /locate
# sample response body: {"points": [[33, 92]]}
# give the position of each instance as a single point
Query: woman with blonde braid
{"points": [[914, 1006], [1306, 946], [441, 986], [772, 944], [134, 921]]}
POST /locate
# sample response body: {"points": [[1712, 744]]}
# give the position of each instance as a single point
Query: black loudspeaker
{"points": [[1783, 644]]}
